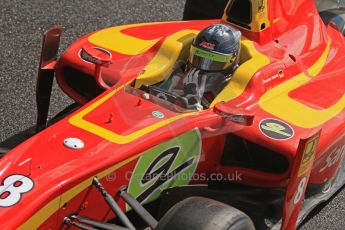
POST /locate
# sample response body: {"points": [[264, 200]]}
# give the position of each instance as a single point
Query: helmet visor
{"points": [[210, 61]]}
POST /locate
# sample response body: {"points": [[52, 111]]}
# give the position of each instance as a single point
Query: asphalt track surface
{"points": [[22, 23]]}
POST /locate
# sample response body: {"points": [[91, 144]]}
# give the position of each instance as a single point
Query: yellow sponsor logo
{"points": [[308, 156]]}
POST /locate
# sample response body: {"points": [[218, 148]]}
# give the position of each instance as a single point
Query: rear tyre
{"points": [[198, 213], [205, 9]]}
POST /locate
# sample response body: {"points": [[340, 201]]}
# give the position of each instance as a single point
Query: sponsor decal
{"points": [[168, 165], [261, 6], [336, 156], [207, 45], [239, 119], [279, 75], [12, 189], [308, 156], [211, 55], [158, 114], [300, 190], [236, 118], [85, 56], [276, 129]]}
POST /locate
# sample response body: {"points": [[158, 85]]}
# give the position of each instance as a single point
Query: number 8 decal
{"points": [[12, 189], [300, 190]]}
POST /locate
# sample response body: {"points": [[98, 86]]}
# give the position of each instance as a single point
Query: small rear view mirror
{"points": [[239, 116]]}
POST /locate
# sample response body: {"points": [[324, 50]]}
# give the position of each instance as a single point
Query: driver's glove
{"points": [[194, 88]]}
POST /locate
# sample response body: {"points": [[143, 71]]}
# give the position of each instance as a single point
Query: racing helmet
{"points": [[216, 48]]}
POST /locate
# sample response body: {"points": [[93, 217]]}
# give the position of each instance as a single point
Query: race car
{"points": [[267, 149]]}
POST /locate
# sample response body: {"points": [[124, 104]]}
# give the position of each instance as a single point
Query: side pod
{"points": [[46, 71], [299, 180]]}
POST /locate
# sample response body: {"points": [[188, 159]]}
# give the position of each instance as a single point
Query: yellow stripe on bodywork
{"points": [[113, 39], [244, 73], [155, 71], [49, 209], [173, 48], [78, 121], [42, 215], [277, 101]]}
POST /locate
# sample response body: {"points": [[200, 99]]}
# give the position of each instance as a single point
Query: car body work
{"points": [[278, 125]]}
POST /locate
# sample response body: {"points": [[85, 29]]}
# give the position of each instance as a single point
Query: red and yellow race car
{"points": [[265, 151]]}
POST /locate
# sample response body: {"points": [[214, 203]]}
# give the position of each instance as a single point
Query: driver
{"points": [[214, 56]]}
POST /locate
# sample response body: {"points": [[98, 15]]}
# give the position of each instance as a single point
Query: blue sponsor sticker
{"points": [[158, 114]]}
